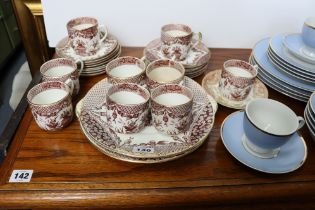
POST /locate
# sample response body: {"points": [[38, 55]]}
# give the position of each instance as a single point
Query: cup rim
{"points": [[275, 102], [128, 83], [182, 71], [237, 60], [69, 26], [51, 104], [171, 106], [41, 69], [176, 24], [310, 22], [107, 70]]}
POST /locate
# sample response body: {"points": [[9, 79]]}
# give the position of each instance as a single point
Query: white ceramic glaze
{"points": [[85, 35], [126, 69], [64, 70], [176, 40], [210, 83], [268, 124], [49, 96], [165, 71], [127, 107], [237, 79], [51, 105], [308, 35], [171, 108]]}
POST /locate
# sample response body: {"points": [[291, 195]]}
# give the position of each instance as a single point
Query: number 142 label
{"points": [[21, 176]]}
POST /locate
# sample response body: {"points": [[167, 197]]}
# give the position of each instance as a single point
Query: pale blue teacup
{"points": [[268, 124], [308, 37]]}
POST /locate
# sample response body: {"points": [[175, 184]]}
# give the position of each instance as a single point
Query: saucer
{"points": [[148, 143], [296, 46], [198, 55], [279, 85], [292, 155], [276, 46], [288, 70], [309, 123], [210, 84], [64, 50], [261, 58]]}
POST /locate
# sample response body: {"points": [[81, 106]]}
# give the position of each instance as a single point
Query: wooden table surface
{"points": [[70, 173]]}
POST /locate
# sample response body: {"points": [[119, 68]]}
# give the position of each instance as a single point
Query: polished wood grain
{"points": [[70, 173]]}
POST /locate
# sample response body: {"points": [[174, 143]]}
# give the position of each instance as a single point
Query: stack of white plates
{"points": [[281, 70], [309, 115], [195, 63], [94, 64]]}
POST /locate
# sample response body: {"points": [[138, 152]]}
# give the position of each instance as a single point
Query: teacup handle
{"points": [[301, 122], [80, 62], [70, 83], [63, 48], [103, 29], [199, 38], [145, 61]]}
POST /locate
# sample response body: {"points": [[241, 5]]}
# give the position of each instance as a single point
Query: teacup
{"points": [[64, 70], [126, 70], [127, 107], [171, 108], [237, 79], [268, 124], [85, 35], [308, 37], [176, 40], [51, 105], [162, 72]]}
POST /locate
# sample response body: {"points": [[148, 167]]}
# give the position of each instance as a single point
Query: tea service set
{"points": [[152, 113]]}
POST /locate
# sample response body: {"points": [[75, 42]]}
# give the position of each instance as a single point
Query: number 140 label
{"points": [[21, 176]]}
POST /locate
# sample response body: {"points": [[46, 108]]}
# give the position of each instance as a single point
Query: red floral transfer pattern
{"points": [[162, 145]]}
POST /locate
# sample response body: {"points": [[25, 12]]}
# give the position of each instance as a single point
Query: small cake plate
{"points": [[292, 155], [210, 84]]}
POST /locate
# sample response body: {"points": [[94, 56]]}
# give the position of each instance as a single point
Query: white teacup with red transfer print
{"points": [[127, 107], [85, 35], [51, 105], [171, 108], [237, 79], [176, 40], [126, 69], [64, 70], [161, 72]]}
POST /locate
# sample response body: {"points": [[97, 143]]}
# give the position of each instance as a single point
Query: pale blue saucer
{"points": [[295, 45], [292, 155], [260, 55], [312, 102], [278, 85], [276, 45]]}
